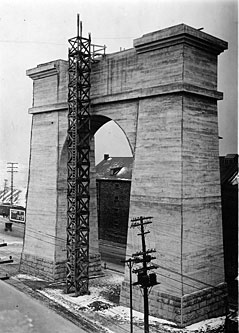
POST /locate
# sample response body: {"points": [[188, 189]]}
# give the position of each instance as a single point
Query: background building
{"points": [[229, 190], [113, 181]]}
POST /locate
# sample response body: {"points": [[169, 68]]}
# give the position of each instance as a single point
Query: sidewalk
{"points": [[98, 312]]}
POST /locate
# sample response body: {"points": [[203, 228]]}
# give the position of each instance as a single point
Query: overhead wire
{"points": [[57, 238], [51, 237], [173, 236], [60, 44], [38, 233]]}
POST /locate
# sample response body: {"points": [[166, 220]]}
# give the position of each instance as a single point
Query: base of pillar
{"points": [[183, 311], [54, 271]]}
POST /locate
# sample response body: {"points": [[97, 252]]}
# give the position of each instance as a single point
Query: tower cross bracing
{"points": [[80, 56]]}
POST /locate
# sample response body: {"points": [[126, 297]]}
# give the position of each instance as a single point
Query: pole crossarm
{"points": [[140, 253]]}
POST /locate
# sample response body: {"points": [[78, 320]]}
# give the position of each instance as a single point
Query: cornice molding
{"points": [[42, 71], [175, 88], [180, 34]]}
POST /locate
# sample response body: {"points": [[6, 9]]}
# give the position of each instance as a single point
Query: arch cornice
{"points": [[184, 88]]}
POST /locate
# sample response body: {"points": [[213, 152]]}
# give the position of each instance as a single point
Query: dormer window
{"points": [[114, 171]]}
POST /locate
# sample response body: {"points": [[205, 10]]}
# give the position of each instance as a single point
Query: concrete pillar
{"points": [[176, 178], [44, 250]]}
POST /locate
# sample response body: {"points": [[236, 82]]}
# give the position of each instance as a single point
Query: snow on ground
{"points": [[27, 277], [203, 326], [102, 305]]}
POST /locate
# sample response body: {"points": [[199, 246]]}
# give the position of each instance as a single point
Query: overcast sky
{"points": [[34, 32]]}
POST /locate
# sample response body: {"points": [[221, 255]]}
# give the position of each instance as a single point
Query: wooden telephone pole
{"points": [[4, 190], [12, 168], [145, 280]]}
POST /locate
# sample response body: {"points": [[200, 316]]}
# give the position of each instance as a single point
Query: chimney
{"points": [[106, 156]]}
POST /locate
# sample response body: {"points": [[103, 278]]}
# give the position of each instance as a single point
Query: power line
{"points": [[161, 267], [54, 43], [29, 42]]}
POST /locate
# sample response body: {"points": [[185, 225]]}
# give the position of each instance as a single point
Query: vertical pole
{"points": [[76, 141], [129, 264], [11, 186], [80, 28], [78, 23], [146, 303], [130, 295], [4, 190], [12, 170]]}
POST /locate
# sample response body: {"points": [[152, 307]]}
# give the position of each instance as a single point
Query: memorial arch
{"points": [[163, 94]]}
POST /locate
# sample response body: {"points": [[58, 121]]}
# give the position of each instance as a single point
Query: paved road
{"points": [[112, 254], [20, 313]]}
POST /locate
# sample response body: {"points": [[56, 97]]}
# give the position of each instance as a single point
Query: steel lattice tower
{"points": [[80, 56], [78, 164]]}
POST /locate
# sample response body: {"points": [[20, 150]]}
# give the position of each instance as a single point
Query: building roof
{"points": [[120, 168], [115, 168], [229, 169], [5, 196]]}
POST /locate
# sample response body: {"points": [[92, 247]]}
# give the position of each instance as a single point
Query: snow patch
{"points": [[28, 277], [68, 299], [121, 314], [101, 309], [206, 324]]}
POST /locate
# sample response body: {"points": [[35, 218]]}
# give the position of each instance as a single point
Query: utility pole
{"points": [[145, 280], [4, 190], [12, 168], [129, 263]]}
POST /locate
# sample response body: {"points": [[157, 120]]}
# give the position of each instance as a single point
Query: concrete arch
{"points": [[163, 94], [97, 121], [124, 114]]}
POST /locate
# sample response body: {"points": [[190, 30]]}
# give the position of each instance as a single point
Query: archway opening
{"points": [[113, 169], [109, 192]]}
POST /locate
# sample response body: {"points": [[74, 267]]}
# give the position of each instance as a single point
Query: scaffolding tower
{"points": [[80, 56]]}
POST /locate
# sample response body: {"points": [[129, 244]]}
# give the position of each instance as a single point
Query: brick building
{"points": [[229, 190], [113, 181]]}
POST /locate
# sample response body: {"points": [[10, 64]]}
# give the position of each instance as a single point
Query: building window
{"points": [[114, 171], [116, 211], [116, 199], [115, 223], [116, 185]]}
